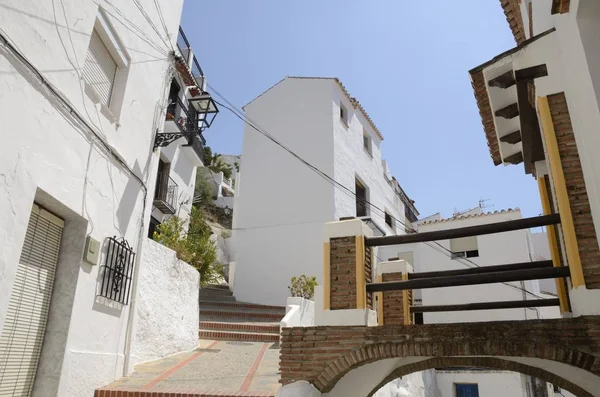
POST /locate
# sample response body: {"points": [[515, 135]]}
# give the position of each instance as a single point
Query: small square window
{"points": [[106, 66], [367, 143], [343, 114], [388, 220]]}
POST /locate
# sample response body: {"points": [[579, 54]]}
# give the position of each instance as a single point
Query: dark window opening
{"points": [[388, 220], [343, 114], [173, 95], [162, 181], [465, 254], [466, 390], [361, 199], [418, 318], [153, 225]]}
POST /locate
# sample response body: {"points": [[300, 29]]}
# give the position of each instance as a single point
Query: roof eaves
{"points": [[482, 98], [355, 103], [512, 11], [461, 217]]}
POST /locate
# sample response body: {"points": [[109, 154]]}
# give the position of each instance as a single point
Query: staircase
{"points": [[222, 318]]}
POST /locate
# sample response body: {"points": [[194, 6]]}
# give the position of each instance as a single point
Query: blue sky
{"points": [[406, 61]]}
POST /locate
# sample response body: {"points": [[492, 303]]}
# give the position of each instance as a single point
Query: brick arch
{"points": [[370, 353], [486, 362]]}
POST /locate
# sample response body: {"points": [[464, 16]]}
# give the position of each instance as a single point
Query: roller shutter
{"points": [[23, 332], [100, 69]]}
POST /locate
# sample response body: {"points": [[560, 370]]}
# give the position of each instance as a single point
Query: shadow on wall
{"points": [[63, 295], [128, 199]]}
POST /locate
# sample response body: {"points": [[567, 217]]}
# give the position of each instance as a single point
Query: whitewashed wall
{"points": [[573, 61], [351, 160], [490, 383], [494, 249], [53, 161], [167, 312], [280, 204], [416, 384]]}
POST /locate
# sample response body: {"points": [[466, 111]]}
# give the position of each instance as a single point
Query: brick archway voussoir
{"points": [[373, 352]]}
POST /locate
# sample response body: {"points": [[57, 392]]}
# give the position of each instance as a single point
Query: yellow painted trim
{"points": [[405, 303], [553, 244], [361, 281], [380, 302], [562, 196], [326, 276]]}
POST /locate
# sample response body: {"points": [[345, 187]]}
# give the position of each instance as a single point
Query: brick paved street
{"points": [[230, 368]]}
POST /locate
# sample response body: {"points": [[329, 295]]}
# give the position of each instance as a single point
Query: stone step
{"points": [[218, 286], [216, 298], [241, 336], [241, 305], [264, 328], [206, 314], [215, 291]]}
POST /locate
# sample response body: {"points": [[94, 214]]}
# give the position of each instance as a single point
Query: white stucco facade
{"points": [[281, 204], [493, 249], [489, 383], [167, 312], [100, 183]]}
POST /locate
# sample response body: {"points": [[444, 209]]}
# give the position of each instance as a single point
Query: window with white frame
{"points": [[344, 114], [464, 247], [367, 142], [106, 65]]}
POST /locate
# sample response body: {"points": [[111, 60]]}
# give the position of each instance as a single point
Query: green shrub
{"points": [[193, 247], [303, 286]]}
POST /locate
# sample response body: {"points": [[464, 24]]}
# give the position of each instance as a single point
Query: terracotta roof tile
{"points": [[512, 10], [487, 117], [355, 103], [461, 217]]}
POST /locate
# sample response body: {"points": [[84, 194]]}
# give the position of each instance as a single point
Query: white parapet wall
{"points": [[167, 312], [300, 312], [341, 317]]}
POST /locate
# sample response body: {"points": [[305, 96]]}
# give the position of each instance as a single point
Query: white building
{"points": [[281, 204], [486, 250], [83, 98], [223, 188]]}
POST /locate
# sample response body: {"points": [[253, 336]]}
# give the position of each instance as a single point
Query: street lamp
{"points": [[206, 108]]}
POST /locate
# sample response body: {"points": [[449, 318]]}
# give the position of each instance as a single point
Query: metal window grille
{"points": [[117, 271]]}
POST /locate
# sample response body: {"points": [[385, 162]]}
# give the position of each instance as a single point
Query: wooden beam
{"points": [[477, 230], [482, 269], [505, 80], [512, 138], [514, 158], [533, 149], [485, 306], [508, 112], [531, 73], [470, 279]]}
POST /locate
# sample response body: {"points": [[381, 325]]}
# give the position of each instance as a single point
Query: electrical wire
{"points": [[140, 7], [247, 120]]}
